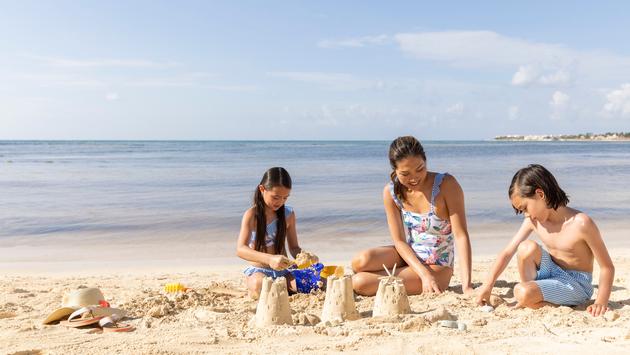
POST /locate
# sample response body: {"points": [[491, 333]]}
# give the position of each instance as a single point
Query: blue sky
{"points": [[311, 70]]}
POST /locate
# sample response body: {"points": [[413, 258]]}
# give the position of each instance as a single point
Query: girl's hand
{"points": [[483, 296], [430, 285], [597, 309], [279, 262]]}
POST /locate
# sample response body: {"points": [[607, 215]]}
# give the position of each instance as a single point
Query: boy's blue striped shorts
{"points": [[562, 287]]}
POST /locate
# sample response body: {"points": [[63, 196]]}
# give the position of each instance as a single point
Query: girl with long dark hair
{"points": [[266, 228]]}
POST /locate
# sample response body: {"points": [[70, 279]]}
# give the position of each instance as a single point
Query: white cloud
{"points": [[104, 62], [355, 42], [334, 81], [525, 75], [112, 96], [456, 109], [55, 80], [531, 74], [477, 48], [559, 78], [618, 101], [559, 104], [513, 112], [541, 63], [350, 115]]}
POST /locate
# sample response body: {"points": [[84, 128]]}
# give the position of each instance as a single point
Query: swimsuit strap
{"points": [[391, 191], [436, 190]]}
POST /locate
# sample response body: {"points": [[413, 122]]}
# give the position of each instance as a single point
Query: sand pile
{"points": [[158, 304], [305, 259]]}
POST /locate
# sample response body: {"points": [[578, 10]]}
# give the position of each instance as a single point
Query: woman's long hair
{"points": [[273, 177], [401, 148]]}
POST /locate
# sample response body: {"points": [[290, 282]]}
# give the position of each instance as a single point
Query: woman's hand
{"points": [[430, 285], [483, 295], [279, 262]]}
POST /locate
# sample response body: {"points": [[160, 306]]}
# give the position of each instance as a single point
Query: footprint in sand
{"points": [[29, 352], [4, 315]]}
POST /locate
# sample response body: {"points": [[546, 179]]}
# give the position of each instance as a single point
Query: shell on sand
{"points": [[339, 303], [273, 305], [391, 298]]}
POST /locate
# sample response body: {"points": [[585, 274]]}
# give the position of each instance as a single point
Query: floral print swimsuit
{"points": [[428, 235]]}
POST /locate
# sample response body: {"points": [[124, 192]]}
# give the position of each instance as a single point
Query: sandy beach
{"points": [[214, 315]]}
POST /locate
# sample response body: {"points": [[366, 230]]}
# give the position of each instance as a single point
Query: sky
{"points": [[322, 70]]}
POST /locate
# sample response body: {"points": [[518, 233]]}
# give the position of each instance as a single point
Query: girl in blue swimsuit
{"points": [[426, 218], [266, 228]]}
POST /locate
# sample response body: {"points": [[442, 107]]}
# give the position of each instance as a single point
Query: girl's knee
{"points": [[254, 285], [361, 260], [361, 284]]}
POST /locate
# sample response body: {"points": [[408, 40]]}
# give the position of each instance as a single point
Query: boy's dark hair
{"points": [[273, 177], [399, 149], [527, 180]]}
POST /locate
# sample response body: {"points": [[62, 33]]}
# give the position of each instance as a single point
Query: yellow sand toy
{"points": [[332, 270], [175, 287]]}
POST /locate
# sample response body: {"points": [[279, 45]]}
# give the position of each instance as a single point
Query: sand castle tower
{"points": [[391, 298], [339, 304], [273, 305]]}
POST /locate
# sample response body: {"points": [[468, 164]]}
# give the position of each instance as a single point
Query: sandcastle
{"points": [[391, 298], [273, 305], [339, 303]]}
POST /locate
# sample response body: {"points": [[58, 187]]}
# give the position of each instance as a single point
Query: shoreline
{"points": [[62, 253]]}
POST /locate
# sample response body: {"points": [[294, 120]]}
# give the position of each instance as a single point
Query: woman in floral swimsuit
{"points": [[426, 218]]}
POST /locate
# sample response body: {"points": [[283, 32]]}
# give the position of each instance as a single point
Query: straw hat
{"points": [[80, 298]]}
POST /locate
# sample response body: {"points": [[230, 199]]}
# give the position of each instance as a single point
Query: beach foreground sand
{"points": [[213, 317]]}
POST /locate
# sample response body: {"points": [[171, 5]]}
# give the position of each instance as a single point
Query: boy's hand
{"points": [[483, 295], [468, 290], [279, 262], [597, 309]]}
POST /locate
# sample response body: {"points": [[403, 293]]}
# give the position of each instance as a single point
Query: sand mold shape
{"points": [[273, 305], [339, 303], [391, 297]]}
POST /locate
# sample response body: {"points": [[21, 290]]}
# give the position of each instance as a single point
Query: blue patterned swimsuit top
{"points": [[272, 229], [428, 235]]}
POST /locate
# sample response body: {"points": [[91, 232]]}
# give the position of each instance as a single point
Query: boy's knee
{"points": [[360, 261], [524, 292], [527, 248]]}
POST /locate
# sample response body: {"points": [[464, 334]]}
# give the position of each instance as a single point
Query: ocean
{"points": [[200, 189]]}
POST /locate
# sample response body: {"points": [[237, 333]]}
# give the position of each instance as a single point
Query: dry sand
{"points": [[213, 317]]}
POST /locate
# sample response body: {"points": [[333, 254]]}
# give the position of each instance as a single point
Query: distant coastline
{"points": [[610, 136]]}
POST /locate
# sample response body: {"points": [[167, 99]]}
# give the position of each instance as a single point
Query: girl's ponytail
{"points": [[261, 224], [399, 191]]}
